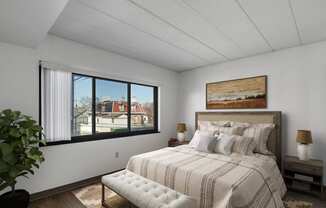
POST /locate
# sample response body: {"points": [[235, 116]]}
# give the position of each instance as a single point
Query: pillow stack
{"points": [[226, 137]]}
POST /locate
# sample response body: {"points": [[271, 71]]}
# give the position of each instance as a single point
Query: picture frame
{"points": [[244, 93]]}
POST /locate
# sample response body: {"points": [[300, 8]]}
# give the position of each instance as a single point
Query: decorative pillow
{"points": [[243, 145], [197, 136], [209, 125], [224, 143], [195, 139], [206, 142], [234, 130], [260, 133], [242, 124], [215, 126]]}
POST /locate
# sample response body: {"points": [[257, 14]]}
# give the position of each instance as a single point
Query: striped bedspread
{"points": [[214, 180]]}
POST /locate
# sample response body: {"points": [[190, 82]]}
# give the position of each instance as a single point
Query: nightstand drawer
{"points": [[302, 168]]}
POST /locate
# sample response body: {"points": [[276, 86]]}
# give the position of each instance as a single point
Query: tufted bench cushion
{"points": [[145, 193]]}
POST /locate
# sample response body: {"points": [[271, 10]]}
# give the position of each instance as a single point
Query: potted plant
{"points": [[20, 137]]}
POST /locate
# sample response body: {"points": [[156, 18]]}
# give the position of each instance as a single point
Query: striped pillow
{"points": [[243, 145], [260, 133]]}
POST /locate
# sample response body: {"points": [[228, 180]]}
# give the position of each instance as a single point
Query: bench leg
{"points": [[104, 204]]}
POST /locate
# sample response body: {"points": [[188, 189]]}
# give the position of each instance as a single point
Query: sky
{"points": [[109, 89]]}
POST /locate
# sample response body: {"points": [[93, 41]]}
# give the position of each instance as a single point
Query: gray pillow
{"points": [[207, 142], [224, 143]]}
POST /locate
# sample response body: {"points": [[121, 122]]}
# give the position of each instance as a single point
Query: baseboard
{"points": [[68, 187]]}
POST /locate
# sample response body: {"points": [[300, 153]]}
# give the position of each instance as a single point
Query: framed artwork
{"points": [[235, 94]]}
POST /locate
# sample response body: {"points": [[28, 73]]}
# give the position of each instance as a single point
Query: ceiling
{"points": [[27, 23], [174, 34]]}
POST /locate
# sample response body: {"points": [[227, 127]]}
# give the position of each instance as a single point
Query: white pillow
{"points": [[206, 142], [196, 138], [224, 144]]}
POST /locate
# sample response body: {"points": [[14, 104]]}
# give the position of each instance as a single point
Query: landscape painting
{"points": [[241, 93]]}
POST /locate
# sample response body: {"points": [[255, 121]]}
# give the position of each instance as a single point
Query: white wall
{"points": [[296, 86], [73, 162]]}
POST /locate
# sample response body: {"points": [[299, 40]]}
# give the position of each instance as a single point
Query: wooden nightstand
{"points": [[304, 176], [174, 142]]}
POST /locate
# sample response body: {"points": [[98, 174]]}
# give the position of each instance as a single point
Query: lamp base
{"points": [[181, 136], [303, 151]]}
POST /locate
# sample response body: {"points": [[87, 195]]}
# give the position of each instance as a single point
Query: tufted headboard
{"points": [[275, 140]]}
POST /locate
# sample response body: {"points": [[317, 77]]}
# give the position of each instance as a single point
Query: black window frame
{"points": [[104, 135]]}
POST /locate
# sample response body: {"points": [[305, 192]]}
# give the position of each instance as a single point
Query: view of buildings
{"points": [[111, 116], [111, 108]]}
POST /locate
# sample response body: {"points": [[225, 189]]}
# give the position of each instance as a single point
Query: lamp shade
{"points": [[181, 127], [304, 137]]}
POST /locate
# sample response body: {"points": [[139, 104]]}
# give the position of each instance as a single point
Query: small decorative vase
{"points": [[303, 151], [181, 136]]}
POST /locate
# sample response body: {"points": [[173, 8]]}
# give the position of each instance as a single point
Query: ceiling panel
{"points": [[83, 24], [178, 14], [27, 23], [274, 19], [175, 34], [228, 17], [311, 19], [128, 13]]}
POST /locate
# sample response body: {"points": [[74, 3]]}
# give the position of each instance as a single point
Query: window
{"points": [[142, 107], [82, 106], [111, 106], [102, 108]]}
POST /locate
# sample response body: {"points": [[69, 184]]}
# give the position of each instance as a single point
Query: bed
{"points": [[216, 180]]}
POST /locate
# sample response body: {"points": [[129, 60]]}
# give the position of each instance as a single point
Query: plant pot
{"points": [[17, 199]]}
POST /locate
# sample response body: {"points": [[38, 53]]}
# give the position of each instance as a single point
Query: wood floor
{"points": [[68, 200], [316, 202], [64, 200]]}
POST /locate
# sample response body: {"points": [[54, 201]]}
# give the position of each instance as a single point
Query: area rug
{"points": [[90, 196], [297, 204]]}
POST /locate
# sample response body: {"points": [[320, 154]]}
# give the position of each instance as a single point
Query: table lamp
{"points": [[181, 128], [304, 140]]}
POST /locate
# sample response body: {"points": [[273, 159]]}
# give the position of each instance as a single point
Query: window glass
{"points": [[111, 106], [142, 107], [82, 106]]}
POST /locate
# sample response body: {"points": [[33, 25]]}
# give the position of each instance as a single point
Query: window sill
{"points": [[101, 136]]}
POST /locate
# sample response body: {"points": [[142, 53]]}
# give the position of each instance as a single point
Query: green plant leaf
{"points": [[3, 167], [23, 174], [36, 165], [13, 172], [19, 146], [5, 148], [31, 171], [7, 112], [10, 158]]}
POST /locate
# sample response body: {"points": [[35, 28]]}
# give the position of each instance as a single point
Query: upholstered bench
{"points": [[144, 193]]}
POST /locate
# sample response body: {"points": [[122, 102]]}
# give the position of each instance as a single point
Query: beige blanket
{"points": [[214, 180]]}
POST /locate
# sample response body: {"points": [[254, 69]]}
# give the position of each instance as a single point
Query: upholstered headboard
{"points": [[275, 140]]}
